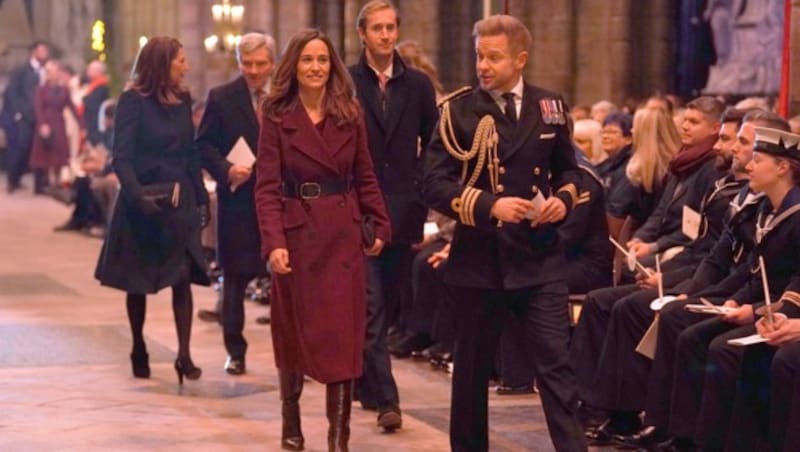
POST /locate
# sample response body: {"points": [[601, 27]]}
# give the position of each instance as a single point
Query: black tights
{"points": [[182, 307]]}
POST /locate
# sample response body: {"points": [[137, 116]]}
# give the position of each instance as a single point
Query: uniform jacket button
{"points": [[536, 171], [500, 188], [502, 170]]}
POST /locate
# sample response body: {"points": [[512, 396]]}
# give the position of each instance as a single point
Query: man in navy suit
{"points": [[232, 113], [400, 112], [18, 118]]}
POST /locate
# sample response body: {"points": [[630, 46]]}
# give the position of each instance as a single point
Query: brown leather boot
{"points": [[291, 386], [338, 401]]}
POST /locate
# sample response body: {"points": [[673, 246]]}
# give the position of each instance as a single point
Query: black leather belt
{"points": [[314, 190]]}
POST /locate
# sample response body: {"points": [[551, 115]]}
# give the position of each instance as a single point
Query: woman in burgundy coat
{"points": [[50, 150], [314, 183]]}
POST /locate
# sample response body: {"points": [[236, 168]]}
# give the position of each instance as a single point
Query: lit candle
{"points": [[216, 12]]}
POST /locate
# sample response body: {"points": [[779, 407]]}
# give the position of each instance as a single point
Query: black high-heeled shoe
{"points": [[141, 365], [185, 368]]}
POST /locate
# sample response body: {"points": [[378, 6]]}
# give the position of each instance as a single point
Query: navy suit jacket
{"points": [[18, 97], [396, 138]]}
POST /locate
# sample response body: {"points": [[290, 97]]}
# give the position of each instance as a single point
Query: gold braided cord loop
{"points": [[484, 147]]}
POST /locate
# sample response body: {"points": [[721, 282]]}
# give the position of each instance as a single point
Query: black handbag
{"points": [[166, 195], [367, 231]]}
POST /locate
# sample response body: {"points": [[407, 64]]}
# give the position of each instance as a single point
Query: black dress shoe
{"points": [[605, 433], [66, 227], [409, 344], [390, 418], [645, 438], [514, 390], [600, 435], [234, 366], [208, 315]]}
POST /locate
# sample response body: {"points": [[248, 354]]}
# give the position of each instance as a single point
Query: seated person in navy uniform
{"points": [[676, 379], [614, 319], [728, 416]]}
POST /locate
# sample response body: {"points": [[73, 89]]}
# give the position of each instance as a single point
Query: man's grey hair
{"points": [[251, 42]]}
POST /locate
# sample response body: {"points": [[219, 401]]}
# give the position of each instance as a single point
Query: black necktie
{"points": [[511, 107]]}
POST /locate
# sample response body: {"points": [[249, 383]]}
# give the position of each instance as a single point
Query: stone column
{"points": [[551, 22], [602, 47], [456, 50], [794, 78]]}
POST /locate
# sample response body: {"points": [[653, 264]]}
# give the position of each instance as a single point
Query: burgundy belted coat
{"points": [[319, 309]]}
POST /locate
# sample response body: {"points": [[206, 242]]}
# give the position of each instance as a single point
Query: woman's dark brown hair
{"points": [[339, 103], [151, 71]]}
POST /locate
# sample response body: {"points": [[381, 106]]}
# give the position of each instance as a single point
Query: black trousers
{"points": [[784, 417], [621, 378], [673, 320], [426, 283], [587, 340], [387, 274], [232, 313], [443, 329], [515, 364], [480, 318], [20, 139], [719, 389]]}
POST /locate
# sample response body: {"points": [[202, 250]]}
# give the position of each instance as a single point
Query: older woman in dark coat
{"points": [[155, 243], [314, 183]]}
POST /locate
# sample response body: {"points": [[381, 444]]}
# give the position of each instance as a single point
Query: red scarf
{"points": [[690, 158]]}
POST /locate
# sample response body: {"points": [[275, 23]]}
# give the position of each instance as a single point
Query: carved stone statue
{"points": [[748, 37]]}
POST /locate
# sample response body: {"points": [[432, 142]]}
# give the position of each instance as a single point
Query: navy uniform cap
{"points": [[777, 143]]}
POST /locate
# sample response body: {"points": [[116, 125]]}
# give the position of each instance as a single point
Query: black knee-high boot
{"points": [[291, 386], [136, 306], [338, 400], [182, 307]]}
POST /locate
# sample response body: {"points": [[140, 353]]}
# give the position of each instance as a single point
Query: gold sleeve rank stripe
{"points": [[584, 197], [468, 199], [791, 297], [572, 191]]}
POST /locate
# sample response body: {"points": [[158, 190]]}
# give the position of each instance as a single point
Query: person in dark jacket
{"points": [[153, 240], [690, 184], [733, 414], [314, 186], [96, 93], [18, 117], [675, 382], [589, 261], [506, 256], [231, 115], [399, 105]]}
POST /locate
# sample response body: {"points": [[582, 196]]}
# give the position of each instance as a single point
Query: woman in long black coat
{"points": [[151, 243]]}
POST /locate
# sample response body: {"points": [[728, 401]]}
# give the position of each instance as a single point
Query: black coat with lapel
{"points": [[534, 153], [229, 115], [18, 97], [396, 136]]}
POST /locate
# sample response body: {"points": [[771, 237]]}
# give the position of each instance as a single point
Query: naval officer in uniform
{"points": [[496, 149]]}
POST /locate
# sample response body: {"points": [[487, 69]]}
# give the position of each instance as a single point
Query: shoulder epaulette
{"points": [[457, 93]]}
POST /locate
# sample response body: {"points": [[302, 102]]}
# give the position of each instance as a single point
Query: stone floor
{"points": [[66, 384]]}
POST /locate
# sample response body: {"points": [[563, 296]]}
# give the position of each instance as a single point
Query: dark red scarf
{"points": [[690, 158]]}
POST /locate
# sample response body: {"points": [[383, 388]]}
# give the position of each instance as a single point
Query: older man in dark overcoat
{"points": [[231, 114]]}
